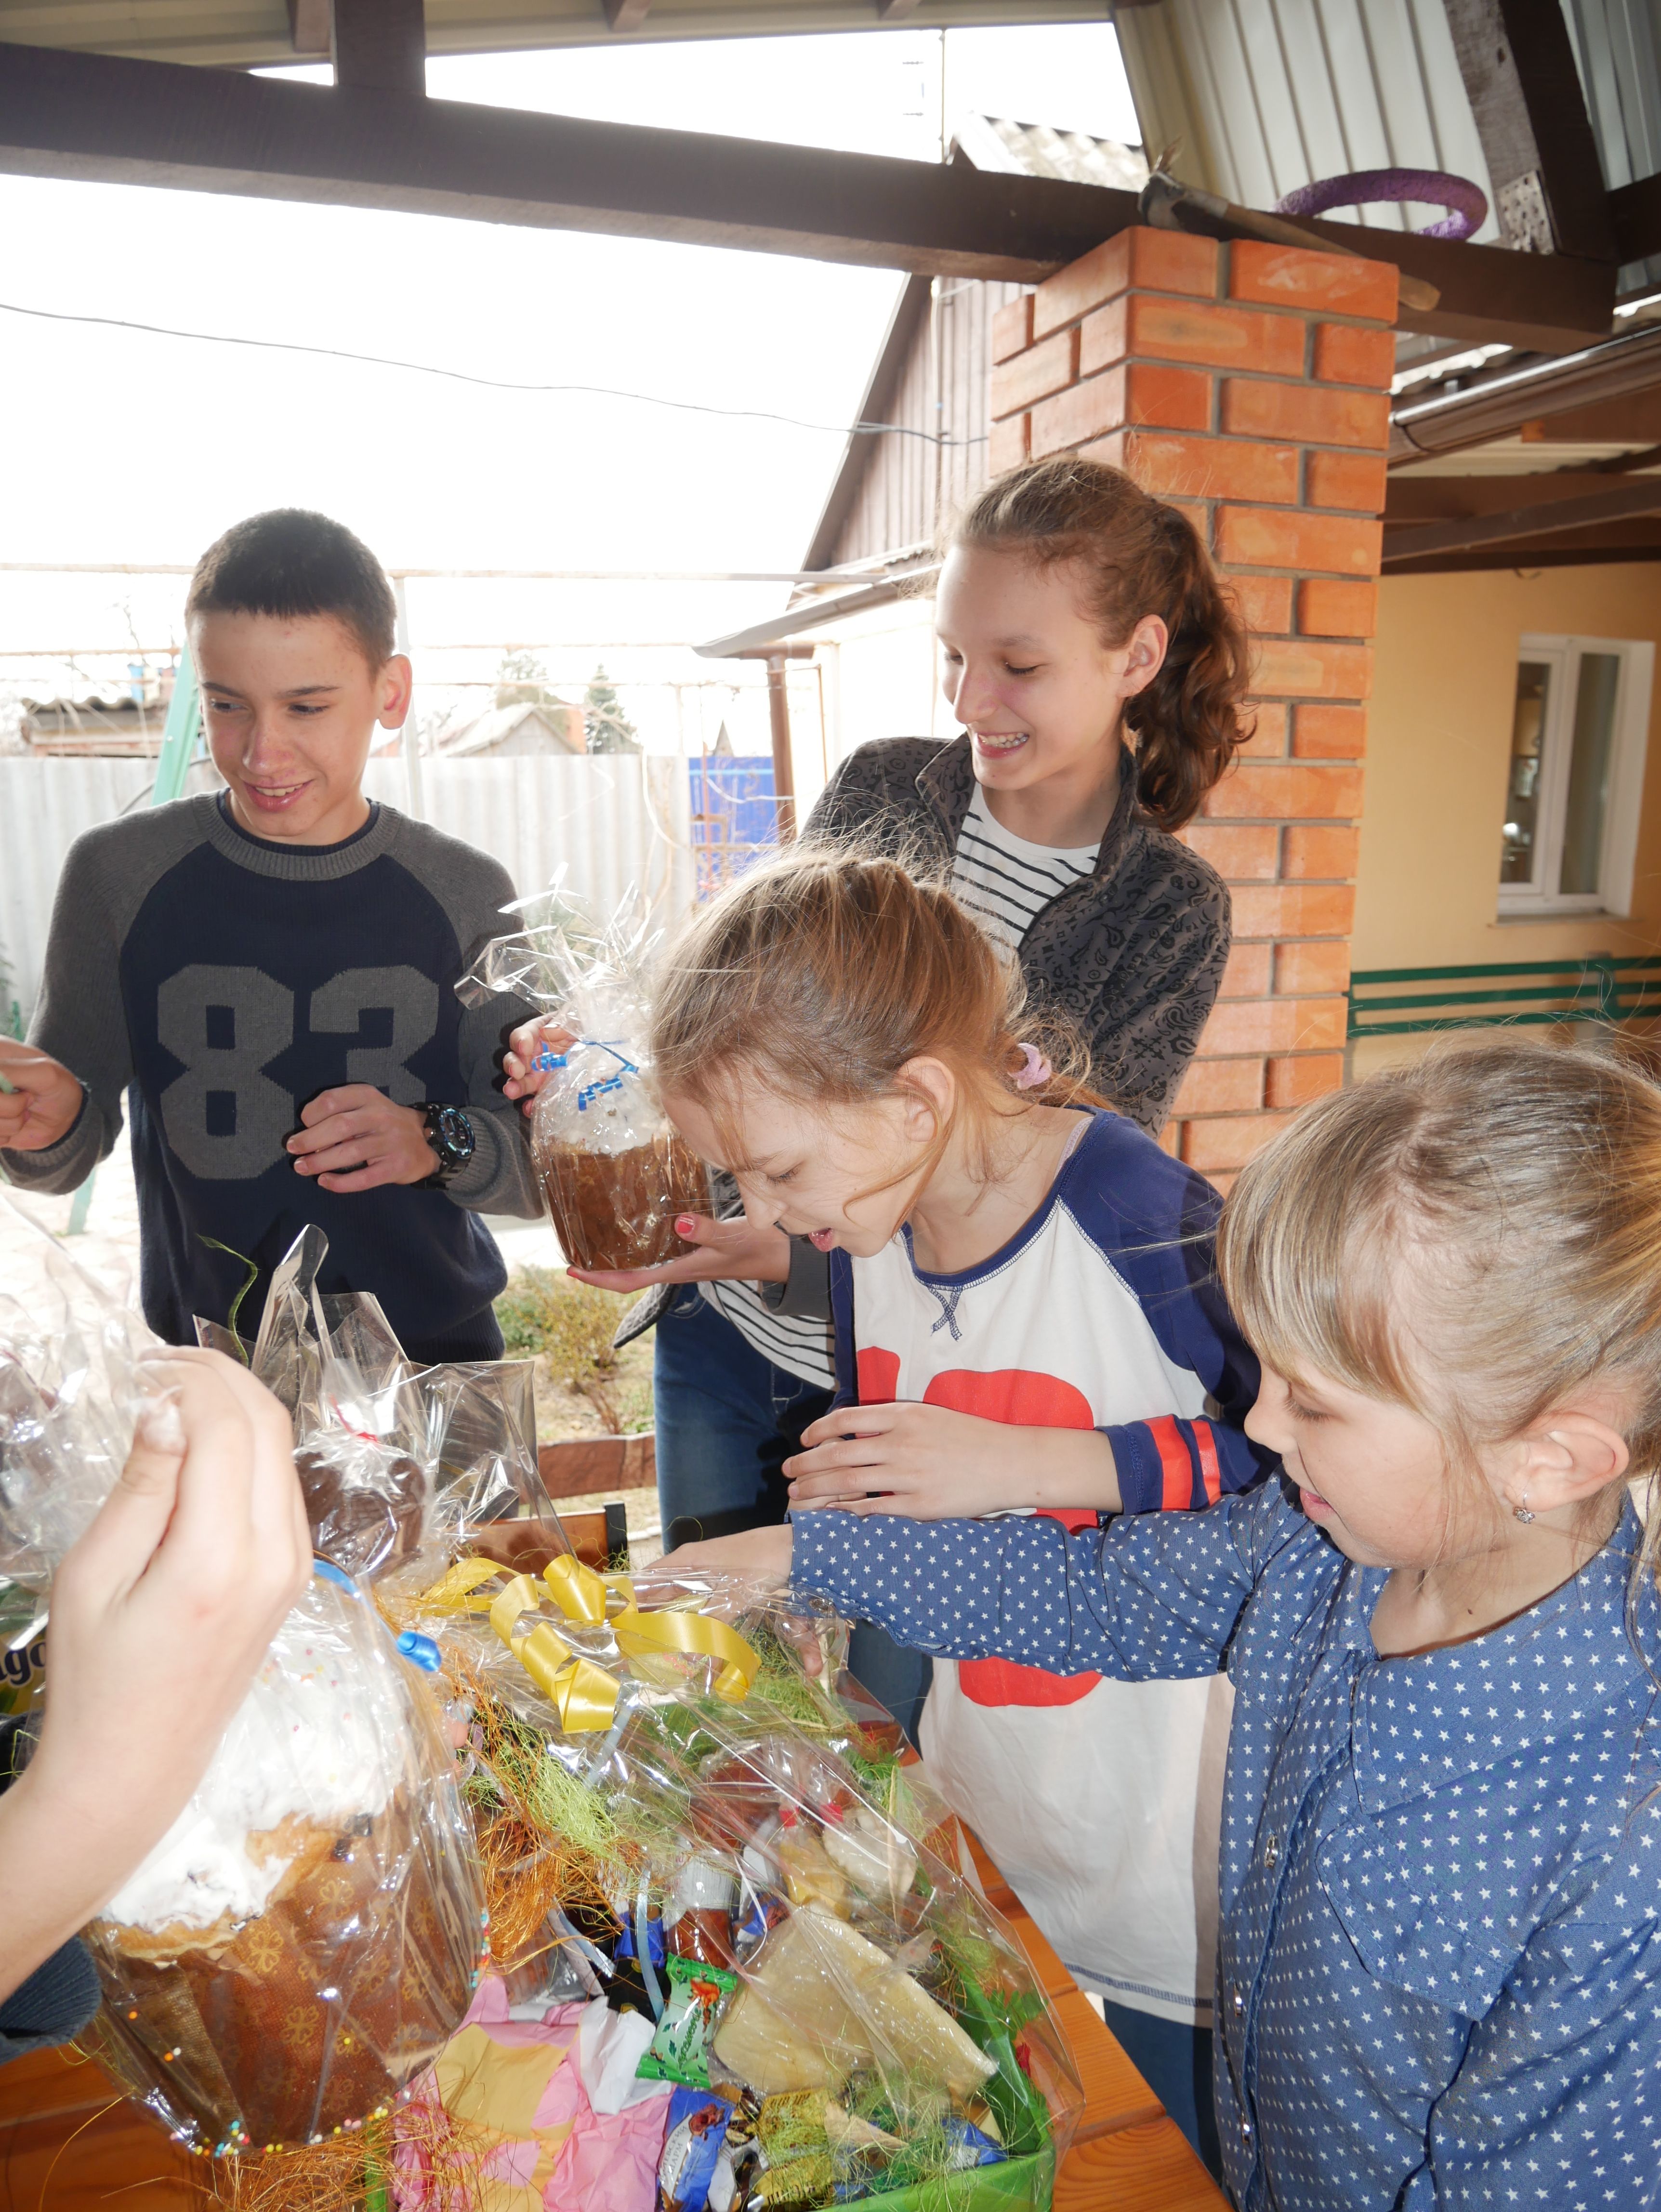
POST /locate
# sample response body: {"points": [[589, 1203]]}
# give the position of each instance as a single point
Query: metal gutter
{"points": [[1502, 404], [814, 614]]}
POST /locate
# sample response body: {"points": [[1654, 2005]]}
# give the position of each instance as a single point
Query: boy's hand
{"points": [[40, 1109], [723, 1251], [354, 1139], [525, 1045], [934, 1464]]}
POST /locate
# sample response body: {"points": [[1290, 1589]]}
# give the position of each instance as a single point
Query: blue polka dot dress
{"points": [[1439, 1965]]}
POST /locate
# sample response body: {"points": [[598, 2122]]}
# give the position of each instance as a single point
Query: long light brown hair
{"points": [[1138, 555], [822, 975]]}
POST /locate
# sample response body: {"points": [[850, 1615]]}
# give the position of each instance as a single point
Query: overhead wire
{"points": [[489, 383]]}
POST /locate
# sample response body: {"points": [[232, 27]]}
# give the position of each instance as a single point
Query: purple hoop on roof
{"points": [[1467, 202]]}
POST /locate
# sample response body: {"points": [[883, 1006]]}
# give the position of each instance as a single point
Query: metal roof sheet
{"points": [[1268, 94], [252, 34]]}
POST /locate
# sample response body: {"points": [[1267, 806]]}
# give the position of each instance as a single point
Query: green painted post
{"points": [[179, 739]]}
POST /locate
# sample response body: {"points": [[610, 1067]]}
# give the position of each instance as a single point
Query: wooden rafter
{"points": [[1547, 518], [1518, 64], [101, 118], [380, 46]]}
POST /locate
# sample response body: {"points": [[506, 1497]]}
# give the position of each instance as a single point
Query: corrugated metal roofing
{"points": [[1033, 149], [1268, 94], [246, 33]]}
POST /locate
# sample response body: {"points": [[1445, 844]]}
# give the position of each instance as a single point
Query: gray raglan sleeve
{"points": [[80, 1019], [473, 888]]}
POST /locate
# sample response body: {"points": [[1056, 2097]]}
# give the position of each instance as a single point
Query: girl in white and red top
{"points": [[1026, 1318]]}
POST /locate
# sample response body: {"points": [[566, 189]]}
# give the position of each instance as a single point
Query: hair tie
{"points": [[1034, 1069]]}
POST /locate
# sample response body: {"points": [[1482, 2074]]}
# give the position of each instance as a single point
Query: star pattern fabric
{"points": [[1440, 1964]]}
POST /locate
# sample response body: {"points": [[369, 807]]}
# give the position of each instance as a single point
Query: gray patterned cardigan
{"points": [[1133, 953]]}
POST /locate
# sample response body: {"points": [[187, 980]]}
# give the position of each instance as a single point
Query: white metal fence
{"points": [[611, 821]]}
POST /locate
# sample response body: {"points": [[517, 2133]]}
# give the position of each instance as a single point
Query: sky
{"points": [[141, 448]]}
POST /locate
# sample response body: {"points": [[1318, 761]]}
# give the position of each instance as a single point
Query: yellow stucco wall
{"points": [[1438, 751]]}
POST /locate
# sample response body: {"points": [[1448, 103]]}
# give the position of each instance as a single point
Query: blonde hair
{"points": [[1476, 1236], [1141, 556], [823, 974]]}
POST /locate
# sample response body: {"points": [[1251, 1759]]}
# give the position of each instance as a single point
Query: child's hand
{"points": [[761, 1552], [354, 1139], [723, 1251], [161, 1616], [40, 1107], [525, 1045], [932, 1464]]}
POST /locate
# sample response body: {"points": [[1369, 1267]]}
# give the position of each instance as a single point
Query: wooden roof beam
{"points": [[105, 119], [380, 46], [1543, 519], [1518, 64]]}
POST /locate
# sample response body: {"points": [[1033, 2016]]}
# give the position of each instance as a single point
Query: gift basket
{"points": [[676, 1818], [308, 1934], [613, 1171], [397, 1463]]}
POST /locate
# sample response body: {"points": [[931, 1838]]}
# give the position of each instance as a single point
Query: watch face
{"points": [[451, 1134]]}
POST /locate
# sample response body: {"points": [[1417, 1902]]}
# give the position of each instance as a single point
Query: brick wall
{"points": [[1250, 385]]}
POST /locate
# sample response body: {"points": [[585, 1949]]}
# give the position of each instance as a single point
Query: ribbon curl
{"points": [[583, 1693]]}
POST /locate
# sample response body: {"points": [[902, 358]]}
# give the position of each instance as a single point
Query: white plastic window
{"points": [[1579, 727]]}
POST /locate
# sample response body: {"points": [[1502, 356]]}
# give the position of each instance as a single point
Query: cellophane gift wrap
{"points": [[309, 1932], [613, 1171], [677, 1812], [397, 1462]]}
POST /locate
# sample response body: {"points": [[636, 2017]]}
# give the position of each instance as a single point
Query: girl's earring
{"points": [[1521, 1512]]}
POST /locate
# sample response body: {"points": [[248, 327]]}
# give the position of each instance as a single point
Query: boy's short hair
{"points": [[291, 561]]}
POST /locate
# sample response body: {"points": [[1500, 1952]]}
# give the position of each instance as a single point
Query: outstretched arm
{"points": [[160, 1616], [1152, 1597]]}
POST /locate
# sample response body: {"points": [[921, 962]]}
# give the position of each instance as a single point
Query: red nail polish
{"points": [[685, 1225]]}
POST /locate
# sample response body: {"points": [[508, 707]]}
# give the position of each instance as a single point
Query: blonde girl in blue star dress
{"points": [[1440, 1962]]}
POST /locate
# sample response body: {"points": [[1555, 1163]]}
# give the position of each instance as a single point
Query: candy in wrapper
{"points": [[679, 2049], [613, 1171], [697, 2129]]}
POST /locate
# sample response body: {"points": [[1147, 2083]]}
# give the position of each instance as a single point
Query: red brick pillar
{"points": [[1249, 385]]}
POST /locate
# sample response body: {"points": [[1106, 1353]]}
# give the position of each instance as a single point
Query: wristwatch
{"points": [[450, 1133]]}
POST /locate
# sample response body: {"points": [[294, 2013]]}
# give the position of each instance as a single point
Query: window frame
{"points": [[1628, 745]]}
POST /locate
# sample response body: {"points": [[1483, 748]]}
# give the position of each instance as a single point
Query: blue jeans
{"points": [[727, 1421]]}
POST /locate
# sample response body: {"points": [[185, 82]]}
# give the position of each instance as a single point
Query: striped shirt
{"points": [[1004, 881], [798, 1344]]}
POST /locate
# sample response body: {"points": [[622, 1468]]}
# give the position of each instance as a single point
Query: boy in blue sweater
{"points": [[267, 973]]}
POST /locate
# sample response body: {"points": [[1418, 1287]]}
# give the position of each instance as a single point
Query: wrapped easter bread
{"points": [[613, 1171], [307, 1935], [396, 1462]]}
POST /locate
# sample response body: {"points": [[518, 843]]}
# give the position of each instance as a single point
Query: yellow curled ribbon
{"points": [[584, 1694], [636, 1632]]}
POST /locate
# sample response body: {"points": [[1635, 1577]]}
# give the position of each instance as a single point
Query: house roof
{"points": [[1034, 150], [498, 724], [992, 144], [255, 33]]}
